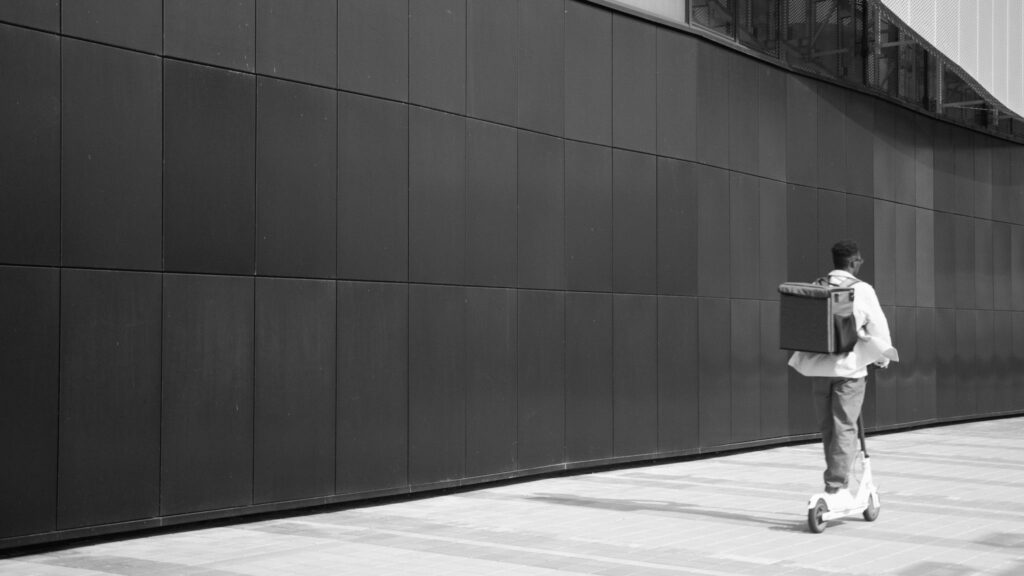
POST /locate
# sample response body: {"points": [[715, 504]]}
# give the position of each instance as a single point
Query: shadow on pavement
{"points": [[668, 507]]}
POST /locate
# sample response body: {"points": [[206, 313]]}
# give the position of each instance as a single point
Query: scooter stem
{"points": [[860, 432]]}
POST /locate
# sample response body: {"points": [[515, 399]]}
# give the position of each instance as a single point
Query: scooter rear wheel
{"points": [[871, 512], [815, 520]]}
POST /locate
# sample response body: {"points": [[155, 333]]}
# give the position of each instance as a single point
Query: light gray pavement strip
{"points": [[952, 505]]}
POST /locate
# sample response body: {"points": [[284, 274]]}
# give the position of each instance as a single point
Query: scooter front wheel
{"points": [[871, 512], [815, 517]]}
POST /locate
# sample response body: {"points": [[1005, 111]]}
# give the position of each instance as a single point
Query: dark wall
{"points": [[267, 254]]}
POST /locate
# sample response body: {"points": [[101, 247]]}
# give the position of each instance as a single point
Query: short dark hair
{"points": [[842, 252]]}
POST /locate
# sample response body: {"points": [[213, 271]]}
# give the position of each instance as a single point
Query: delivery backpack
{"points": [[817, 317]]}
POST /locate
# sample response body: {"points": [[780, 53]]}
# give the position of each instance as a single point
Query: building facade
{"points": [[262, 255]]}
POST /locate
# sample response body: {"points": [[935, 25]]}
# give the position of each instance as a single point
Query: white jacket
{"points": [[873, 347]]}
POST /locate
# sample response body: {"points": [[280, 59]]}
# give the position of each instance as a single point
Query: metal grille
{"points": [[757, 25], [715, 15]]}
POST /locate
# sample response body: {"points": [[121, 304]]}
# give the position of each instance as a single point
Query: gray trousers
{"points": [[838, 403]]}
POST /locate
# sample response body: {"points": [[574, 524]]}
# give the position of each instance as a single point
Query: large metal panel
{"points": [[109, 466], [1004, 379], [963, 258], [437, 383], [800, 404], [636, 374], [926, 363], [219, 33], [982, 175], [540, 364], [588, 73], [437, 197], [540, 93], [490, 381], [589, 384], [802, 235], [298, 40], [29, 369], [209, 169], [771, 122], [492, 42], [30, 154], [984, 265], [1002, 287], [373, 387], [904, 162], [924, 161], [207, 401], [771, 240], [965, 359], [984, 372], [744, 236], [884, 149], [541, 221], [744, 114], [634, 222], [831, 226], [713, 104], [715, 372], [860, 225], [111, 161], [774, 375], [745, 370], [1018, 358], [860, 144], [945, 260], [296, 180], [43, 14], [908, 405], [373, 189], [490, 204], [713, 218], [295, 382], [963, 161], [801, 131], [924, 256], [677, 227], [1017, 267], [1002, 210], [634, 84], [373, 47], [831, 136], [678, 374], [588, 217], [136, 24], [437, 54], [1017, 185], [904, 248], [677, 94], [945, 168]]}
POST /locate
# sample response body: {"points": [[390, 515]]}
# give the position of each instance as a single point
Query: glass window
{"points": [[671, 10]]}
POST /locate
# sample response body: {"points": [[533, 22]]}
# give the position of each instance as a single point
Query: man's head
{"points": [[846, 256]]}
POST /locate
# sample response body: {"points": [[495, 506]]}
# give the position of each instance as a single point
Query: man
{"points": [[838, 399]]}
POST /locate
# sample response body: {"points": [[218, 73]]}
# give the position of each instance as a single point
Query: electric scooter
{"points": [[823, 507]]}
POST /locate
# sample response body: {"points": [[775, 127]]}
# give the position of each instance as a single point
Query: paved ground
{"points": [[952, 504]]}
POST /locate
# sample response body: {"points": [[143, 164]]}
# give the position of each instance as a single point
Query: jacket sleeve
{"points": [[868, 312]]}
